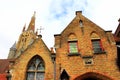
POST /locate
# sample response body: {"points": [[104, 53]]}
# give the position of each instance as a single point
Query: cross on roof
{"points": [[40, 29]]}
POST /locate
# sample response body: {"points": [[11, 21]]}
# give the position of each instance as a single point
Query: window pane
{"points": [[96, 46], [31, 67], [41, 67], [40, 76], [30, 76], [37, 61], [35, 70], [73, 47]]}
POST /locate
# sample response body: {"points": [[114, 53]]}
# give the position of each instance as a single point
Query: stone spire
{"points": [[32, 23], [24, 28], [12, 51]]}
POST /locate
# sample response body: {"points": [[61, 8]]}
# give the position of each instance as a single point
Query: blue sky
{"points": [[53, 16]]}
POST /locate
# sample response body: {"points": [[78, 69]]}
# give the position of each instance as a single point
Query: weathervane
{"points": [[40, 29]]}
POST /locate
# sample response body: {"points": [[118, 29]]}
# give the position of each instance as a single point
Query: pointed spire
{"points": [[32, 23], [13, 46], [24, 28]]}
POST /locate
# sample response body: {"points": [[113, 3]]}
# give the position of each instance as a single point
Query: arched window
{"points": [[81, 23], [36, 69], [64, 75]]}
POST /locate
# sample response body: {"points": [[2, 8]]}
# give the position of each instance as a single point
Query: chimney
{"points": [[78, 12]]}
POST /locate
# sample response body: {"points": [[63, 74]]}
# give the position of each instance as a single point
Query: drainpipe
{"points": [[53, 56]]}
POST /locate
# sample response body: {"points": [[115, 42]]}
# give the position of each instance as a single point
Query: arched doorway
{"points": [[64, 75], [92, 76]]}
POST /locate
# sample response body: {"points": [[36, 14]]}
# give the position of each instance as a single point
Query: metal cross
{"points": [[40, 29]]}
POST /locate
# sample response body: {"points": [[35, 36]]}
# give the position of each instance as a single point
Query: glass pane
{"points": [[30, 76], [40, 76], [73, 47], [96, 46], [37, 61], [41, 67], [97, 49], [31, 67]]}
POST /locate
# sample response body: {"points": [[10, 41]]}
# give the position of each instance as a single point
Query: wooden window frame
{"points": [[69, 50], [100, 46]]}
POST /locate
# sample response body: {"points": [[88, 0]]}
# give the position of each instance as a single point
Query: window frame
{"points": [[72, 53], [99, 46], [81, 23], [36, 71]]}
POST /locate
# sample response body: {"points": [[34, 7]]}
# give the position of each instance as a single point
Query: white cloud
{"points": [[53, 16]]}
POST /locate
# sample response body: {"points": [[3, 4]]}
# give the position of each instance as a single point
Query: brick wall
{"points": [[103, 63]]}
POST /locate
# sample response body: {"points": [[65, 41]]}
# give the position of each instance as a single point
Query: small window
{"points": [[88, 61], [73, 47], [81, 23], [97, 46]]}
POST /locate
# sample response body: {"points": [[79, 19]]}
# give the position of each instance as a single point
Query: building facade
{"points": [[82, 51]]}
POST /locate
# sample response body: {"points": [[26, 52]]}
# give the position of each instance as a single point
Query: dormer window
{"points": [[81, 23]]}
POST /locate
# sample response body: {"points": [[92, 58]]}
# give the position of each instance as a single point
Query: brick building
{"points": [[82, 51], [117, 39]]}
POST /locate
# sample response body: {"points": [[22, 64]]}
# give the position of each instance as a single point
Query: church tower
{"points": [[26, 38], [32, 58]]}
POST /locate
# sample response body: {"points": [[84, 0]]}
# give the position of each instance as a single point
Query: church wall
{"points": [[20, 66]]}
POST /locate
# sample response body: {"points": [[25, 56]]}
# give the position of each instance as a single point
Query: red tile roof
{"points": [[4, 65], [3, 77]]}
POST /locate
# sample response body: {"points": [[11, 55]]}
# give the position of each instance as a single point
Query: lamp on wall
{"points": [[8, 76], [53, 55]]}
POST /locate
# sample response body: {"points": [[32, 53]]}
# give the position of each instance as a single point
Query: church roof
{"points": [[4, 65], [118, 29], [117, 32]]}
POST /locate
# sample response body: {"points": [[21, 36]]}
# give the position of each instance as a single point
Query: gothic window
{"points": [[36, 69], [64, 75]]}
